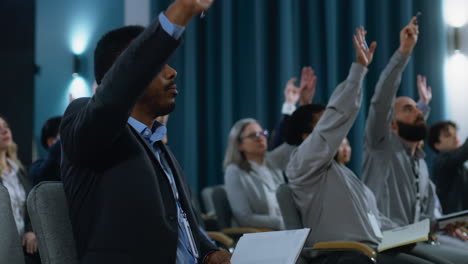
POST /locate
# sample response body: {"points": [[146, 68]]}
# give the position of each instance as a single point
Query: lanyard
{"points": [[181, 213]]}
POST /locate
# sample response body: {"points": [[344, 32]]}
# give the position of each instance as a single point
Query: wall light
{"points": [[456, 81], [79, 42], [78, 87], [77, 66], [456, 12]]}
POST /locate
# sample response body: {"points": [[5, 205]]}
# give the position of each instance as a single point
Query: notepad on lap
{"points": [[405, 235], [278, 247]]}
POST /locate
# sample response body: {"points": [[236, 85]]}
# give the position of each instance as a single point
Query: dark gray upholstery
{"points": [[207, 198], [11, 250], [291, 215], [222, 207], [48, 210]]}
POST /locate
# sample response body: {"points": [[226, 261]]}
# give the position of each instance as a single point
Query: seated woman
{"points": [[252, 177], [13, 177]]}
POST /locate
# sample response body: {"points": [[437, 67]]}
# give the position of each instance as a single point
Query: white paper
{"points": [[278, 247], [405, 235]]}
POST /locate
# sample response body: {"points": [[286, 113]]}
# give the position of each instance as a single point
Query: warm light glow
{"points": [[456, 83], [456, 12], [78, 87], [79, 41]]}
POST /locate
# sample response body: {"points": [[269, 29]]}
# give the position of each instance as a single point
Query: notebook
{"points": [[277, 247], [405, 235]]}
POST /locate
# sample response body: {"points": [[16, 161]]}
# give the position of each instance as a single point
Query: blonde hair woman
{"points": [[13, 176]]}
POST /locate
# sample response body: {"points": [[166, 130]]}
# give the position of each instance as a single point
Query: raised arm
{"points": [[381, 106], [304, 93], [90, 127], [425, 95], [319, 148]]}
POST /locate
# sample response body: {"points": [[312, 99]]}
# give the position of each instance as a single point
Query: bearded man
{"points": [[393, 163]]}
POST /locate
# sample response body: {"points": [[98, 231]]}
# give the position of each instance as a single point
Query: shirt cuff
{"points": [[423, 107], [172, 29], [288, 109]]}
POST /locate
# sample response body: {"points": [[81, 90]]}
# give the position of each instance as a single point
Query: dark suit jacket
{"points": [[121, 205], [47, 169]]}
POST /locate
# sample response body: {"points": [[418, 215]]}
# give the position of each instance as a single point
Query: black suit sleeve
{"points": [[90, 126]]}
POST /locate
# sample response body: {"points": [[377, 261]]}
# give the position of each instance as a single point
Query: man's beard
{"points": [[412, 132]]}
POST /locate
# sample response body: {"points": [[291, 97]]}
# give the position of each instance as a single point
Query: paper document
{"points": [[444, 220], [405, 235], [278, 247]]}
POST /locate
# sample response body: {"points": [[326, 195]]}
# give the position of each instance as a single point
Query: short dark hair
{"points": [[50, 129], [436, 129], [302, 121], [110, 46]]}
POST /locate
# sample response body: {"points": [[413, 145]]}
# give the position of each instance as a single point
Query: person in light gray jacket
{"points": [[332, 201], [252, 176]]}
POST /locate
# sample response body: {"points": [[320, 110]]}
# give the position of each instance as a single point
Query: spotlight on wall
{"points": [[456, 12], [78, 87], [79, 41]]}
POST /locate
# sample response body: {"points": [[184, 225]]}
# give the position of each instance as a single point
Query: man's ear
{"points": [[51, 141]]}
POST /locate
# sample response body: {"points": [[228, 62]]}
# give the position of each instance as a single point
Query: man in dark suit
{"points": [[127, 195]]}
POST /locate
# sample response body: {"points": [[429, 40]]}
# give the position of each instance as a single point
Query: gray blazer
{"points": [[249, 194]]}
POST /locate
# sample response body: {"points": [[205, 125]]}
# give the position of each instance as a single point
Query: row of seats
{"points": [[49, 216], [48, 211]]}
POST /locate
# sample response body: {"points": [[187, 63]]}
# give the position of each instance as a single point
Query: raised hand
{"points": [[181, 11], [409, 37], [308, 85], [364, 55], [424, 91], [292, 92]]}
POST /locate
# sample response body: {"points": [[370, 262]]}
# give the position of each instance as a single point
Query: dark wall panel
{"points": [[17, 71]]}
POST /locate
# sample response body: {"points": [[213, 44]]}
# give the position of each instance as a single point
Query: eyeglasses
{"points": [[255, 135]]}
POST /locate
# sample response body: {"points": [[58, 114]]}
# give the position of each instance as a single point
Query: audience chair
{"points": [[48, 210], [292, 220], [221, 239], [225, 217], [207, 194], [11, 250]]}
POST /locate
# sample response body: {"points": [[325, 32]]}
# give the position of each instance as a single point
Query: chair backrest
{"points": [[11, 250], [48, 210], [207, 198], [291, 215], [222, 208]]}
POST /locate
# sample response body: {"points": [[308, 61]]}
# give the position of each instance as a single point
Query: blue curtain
{"points": [[235, 62]]}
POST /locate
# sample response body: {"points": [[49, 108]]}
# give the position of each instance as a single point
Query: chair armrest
{"points": [[346, 245], [222, 238], [243, 230]]}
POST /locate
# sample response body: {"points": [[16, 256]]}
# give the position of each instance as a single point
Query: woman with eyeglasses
{"points": [[13, 176], [252, 176]]}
